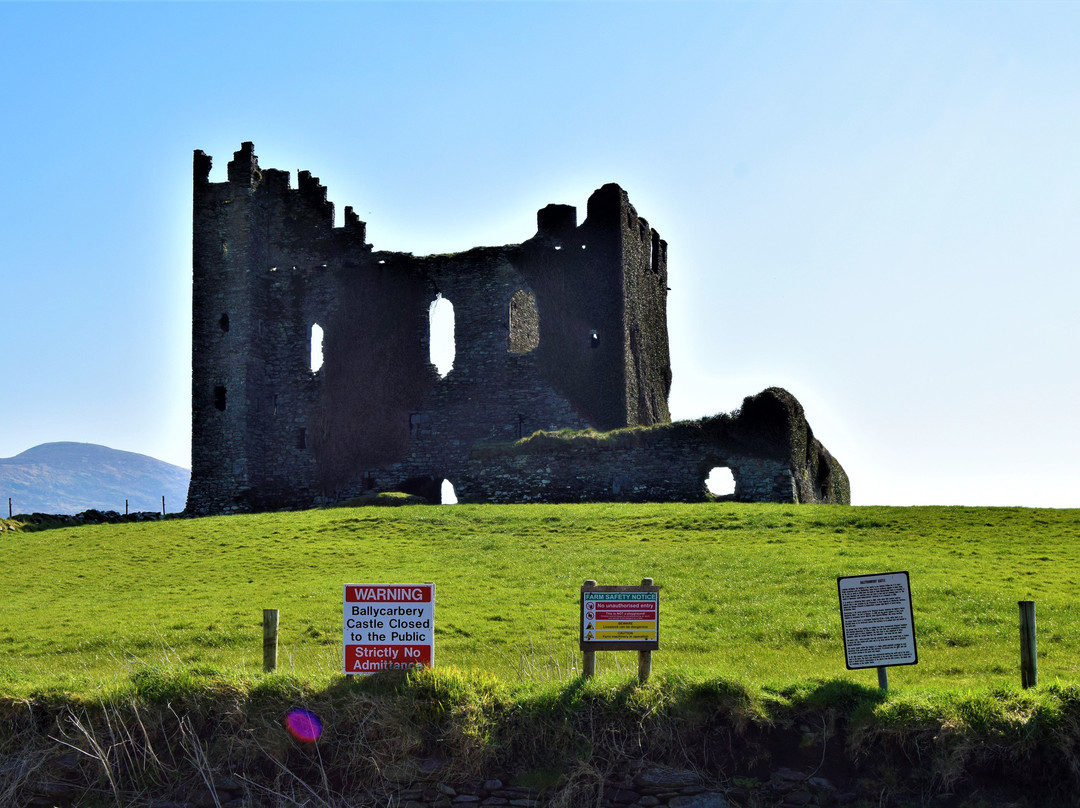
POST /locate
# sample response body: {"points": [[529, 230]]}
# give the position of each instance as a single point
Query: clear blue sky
{"points": [[874, 205]]}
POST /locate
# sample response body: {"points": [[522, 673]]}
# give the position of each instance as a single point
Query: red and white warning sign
{"points": [[388, 627]]}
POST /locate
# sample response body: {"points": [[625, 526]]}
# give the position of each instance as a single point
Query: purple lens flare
{"points": [[304, 725]]}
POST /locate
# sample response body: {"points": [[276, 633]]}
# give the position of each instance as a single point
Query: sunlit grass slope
{"points": [[748, 592]]}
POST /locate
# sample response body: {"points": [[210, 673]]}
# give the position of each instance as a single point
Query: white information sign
{"points": [[388, 627], [879, 630]]}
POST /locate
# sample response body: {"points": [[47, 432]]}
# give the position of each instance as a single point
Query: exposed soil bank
{"points": [[184, 740]]}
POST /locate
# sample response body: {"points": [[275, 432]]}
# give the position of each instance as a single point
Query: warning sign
{"points": [[620, 618], [388, 627], [879, 630]]}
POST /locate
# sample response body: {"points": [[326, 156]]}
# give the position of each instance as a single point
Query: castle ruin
{"points": [[565, 331]]}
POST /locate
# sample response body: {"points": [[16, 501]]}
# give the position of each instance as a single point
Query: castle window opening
{"points": [[301, 438], [441, 349], [224, 321], [219, 397], [316, 347], [446, 493], [720, 482], [524, 334], [594, 338]]}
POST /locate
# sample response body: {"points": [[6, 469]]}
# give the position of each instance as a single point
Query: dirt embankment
{"points": [[184, 741]]}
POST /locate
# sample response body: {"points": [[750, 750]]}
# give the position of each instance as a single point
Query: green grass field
{"points": [[748, 592]]}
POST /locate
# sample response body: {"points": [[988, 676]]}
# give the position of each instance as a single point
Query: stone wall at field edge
{"points": [[567, 330]]}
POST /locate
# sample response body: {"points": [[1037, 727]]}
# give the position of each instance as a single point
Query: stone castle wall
{"points": [[667, 462], [566, 330]]}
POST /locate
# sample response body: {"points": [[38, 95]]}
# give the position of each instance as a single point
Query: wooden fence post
{"points": [[588, 658], [270, 635], [1029, 665], [644, 658]]}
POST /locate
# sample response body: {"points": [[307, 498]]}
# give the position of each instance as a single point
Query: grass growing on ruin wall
{"points": [[748, 592], [715, 427]]}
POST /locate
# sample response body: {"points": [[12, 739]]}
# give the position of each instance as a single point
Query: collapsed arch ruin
{"points": [[567, 330]]}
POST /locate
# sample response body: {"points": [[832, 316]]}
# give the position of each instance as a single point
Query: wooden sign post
{"points": [[620, 618]]}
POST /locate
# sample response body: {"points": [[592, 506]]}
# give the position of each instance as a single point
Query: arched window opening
{"points": [[224, 321], [219, 397], [316, 347], [720, 482], [524, 323], [448, 497], [594, 339], [441, 347]]}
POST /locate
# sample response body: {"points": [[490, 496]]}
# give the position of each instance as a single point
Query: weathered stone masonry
{"points": [[768, 446], [566, 330]]}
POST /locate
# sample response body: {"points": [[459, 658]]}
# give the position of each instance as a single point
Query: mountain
{"points": [[69, 478]]}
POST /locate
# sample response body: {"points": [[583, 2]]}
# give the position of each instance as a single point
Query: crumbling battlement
{"points": [[565, 330]]}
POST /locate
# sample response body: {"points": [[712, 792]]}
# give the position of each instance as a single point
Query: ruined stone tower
{"points": [[567, 329]]}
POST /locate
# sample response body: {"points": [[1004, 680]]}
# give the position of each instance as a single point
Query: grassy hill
{"points": [[130, 658], [748, 592]]}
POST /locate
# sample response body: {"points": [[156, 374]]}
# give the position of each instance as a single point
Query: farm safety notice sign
{"points": [[879, 630], [620, 618], [388, 627]]}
